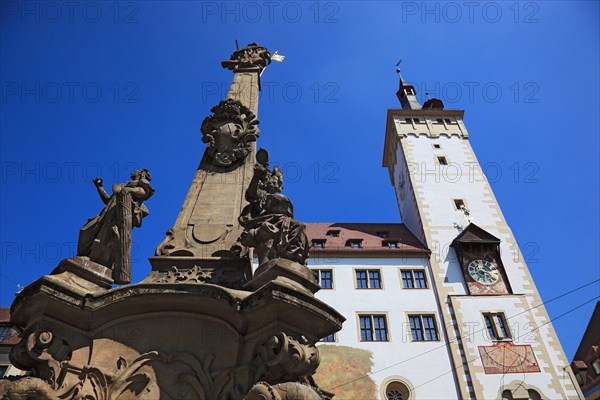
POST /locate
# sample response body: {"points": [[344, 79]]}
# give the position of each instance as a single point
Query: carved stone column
{"points": [[206, 231]]}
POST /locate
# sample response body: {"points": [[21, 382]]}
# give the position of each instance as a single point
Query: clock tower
{"points": [[501, 342]]}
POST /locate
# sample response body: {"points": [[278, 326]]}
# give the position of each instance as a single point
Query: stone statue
{"points": [[106, 239], [268, 221]]}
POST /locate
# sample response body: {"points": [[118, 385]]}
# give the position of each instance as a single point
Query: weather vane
{"points": [[398, 69]]}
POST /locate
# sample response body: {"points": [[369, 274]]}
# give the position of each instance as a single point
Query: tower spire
{"points": [[406, 93]]}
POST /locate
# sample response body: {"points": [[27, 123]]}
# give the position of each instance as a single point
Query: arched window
{"points": [[397, 391]]}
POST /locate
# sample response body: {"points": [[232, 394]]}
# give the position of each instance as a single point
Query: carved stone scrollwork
{"points": [[165, 247], [250, 56], [286, 366], [287, 358], [194, 275], [229, 132], [42, 352]]}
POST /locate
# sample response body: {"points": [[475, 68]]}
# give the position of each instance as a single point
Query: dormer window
{"points": [[392, 244], [319, 243], [333, 233], [354, 243], [383, 234]]}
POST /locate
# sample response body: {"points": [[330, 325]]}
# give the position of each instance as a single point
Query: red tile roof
{"points": [[373, 239], [4, 314], [13, 337]]}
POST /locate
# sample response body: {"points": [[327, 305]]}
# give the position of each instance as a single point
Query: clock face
{"points": [[483, 272]]}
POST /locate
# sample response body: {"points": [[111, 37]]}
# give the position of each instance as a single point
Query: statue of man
{"points": [[106, 238]]}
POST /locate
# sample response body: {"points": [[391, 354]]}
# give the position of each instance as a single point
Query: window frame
{"points": [[413, 279], [422, 328], [457, 208], [438, 161], [494, 326], [319, 278], [334, 337], [333, 233], [372, 315], [368, 278]]}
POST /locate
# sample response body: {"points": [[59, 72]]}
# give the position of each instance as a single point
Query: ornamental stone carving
{"points": [[286, 368], [229, 133], [268, 221], [250, 56]]}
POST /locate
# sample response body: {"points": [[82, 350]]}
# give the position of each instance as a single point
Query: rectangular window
{"points": [[391, 244], [496, 326], [324, 278], [413, 279], [423, 328], [420, 281], [373, 328], [368, 279], [442, 161], [447, 120], [407, 280], [437, 146], [333, 233], [329, 338], [459, 204]]}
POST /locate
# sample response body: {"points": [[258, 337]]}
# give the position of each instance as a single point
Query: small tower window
{"points": [[333, 233], [442, 160], [437, 146], [459, 204]]}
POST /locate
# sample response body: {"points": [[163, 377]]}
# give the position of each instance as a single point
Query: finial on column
{"points": [[251, 56]]}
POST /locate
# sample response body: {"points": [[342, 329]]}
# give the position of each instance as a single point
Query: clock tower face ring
{"points": [[483, 272]]}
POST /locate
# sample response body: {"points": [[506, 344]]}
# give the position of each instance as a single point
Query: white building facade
{"points": [[472, 325]]}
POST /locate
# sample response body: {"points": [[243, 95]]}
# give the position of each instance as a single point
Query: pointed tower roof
{"points": [[406, 93], [474, 234]]}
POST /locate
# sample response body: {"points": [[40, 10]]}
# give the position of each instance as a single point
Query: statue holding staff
{"points": [[106, 238]]}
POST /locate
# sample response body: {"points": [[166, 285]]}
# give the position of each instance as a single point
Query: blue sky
{"points": [[100, 88]]}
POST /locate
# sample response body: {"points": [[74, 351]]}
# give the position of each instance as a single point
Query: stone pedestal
{"points": [[286, 273], [168, 340]]}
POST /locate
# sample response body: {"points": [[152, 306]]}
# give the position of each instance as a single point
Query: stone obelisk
{"points": [[205, 234]]}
